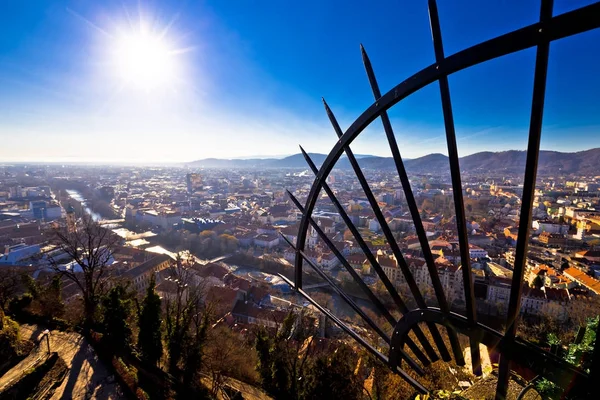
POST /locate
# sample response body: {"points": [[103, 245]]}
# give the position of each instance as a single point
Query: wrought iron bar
{"points": [[420, 388], [461, 224], [414, 210], [373, 261], [531, 164], [410, 280], [356, 308]]}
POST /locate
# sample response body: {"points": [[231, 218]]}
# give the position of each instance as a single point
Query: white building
{"points": [[532, 301], [165, 219], [390, 267], [477, 252], [499, 292], [450, 277], [550, 227]]}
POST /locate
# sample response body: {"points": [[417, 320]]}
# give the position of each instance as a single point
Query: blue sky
{"points": [[246, 77]]}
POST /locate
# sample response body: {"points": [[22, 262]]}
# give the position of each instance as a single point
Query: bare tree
{"points": [[183, 306], [227, 355], [91, 247], [581, 309]]}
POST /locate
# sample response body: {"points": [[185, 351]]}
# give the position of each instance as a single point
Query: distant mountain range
{"points": [[582, 162]]}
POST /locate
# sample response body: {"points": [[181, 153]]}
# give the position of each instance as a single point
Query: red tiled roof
{"points": [[328, 256], [167, 286], [418, 262], [290, 230], [581, 277]]}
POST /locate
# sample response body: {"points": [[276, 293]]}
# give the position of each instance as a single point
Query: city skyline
{"points": [[150, 82], [308, 200]]}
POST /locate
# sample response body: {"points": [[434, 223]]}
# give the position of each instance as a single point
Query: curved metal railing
{"points": [[570, 378]]}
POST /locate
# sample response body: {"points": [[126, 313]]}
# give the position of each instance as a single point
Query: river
{"points": [[75, 195]]}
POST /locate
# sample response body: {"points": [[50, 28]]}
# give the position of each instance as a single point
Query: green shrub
{"points": [[10, 331], [547, 389], [129, 375], [18, 304]]}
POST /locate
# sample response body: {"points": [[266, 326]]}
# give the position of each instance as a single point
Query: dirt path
{"points": [[87, 377]]}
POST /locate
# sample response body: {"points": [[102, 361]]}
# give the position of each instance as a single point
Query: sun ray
{"points": [[88, 22], [165, 30], [183, 50]]}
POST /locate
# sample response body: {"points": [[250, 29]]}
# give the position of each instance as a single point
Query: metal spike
{"points": [[414, 211], [309, 161], [333, 120], [531, 164], [394, 246], [468, 286]]}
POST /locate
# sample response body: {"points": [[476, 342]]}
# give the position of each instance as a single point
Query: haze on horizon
{"points": [[155, 81]]}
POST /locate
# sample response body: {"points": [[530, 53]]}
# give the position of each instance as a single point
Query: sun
{"points": [[145, 60]]}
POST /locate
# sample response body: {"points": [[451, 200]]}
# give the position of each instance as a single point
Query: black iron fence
{"points": [[441, 320]]}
